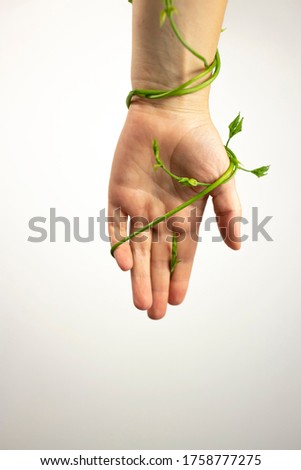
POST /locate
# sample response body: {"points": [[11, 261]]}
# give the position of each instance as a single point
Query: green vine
{"points": [[181, 179], [212, 70], [174, 254], [234, 128]]}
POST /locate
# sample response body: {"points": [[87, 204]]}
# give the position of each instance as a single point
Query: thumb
{"points": [[228, 212]]}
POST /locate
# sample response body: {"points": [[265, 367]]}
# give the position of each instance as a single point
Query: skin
{"points": [[189, 146]]}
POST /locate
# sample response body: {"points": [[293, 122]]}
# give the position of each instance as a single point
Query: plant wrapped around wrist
{"points": [[191, 86]]}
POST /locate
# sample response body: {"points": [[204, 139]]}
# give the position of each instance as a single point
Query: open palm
{"points": [[189, 146]]}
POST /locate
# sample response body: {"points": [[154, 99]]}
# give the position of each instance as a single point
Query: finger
{"points": [[160, 273], [228, 211], [118, 229], [140, 273], [186, 248]]}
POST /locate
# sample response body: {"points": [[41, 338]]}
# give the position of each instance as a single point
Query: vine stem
{"points": [[223, 179], [182, 40], [183, 88]]}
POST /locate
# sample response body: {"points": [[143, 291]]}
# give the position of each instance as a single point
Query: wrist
{"points": [[149, 86], [162, 61], [191, 91], [189, 104], [156, 70], [176, 111]]}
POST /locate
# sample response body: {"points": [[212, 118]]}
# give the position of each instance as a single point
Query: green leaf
{"points": [[184, 180], [193, 182], [174, 254], [188, 181], [234, 123], [262, 171], [155, 146], [235, 126], [162, 18]]}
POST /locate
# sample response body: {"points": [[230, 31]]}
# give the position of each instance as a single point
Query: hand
{"points": [[189, 146]]}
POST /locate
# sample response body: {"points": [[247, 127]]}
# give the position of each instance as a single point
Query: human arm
{"points": [[189, 143]]}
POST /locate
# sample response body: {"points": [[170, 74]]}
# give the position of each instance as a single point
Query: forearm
{"points": [[159, 60]]}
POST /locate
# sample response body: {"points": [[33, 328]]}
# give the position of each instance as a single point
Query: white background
{"points": [[80, 367]]}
